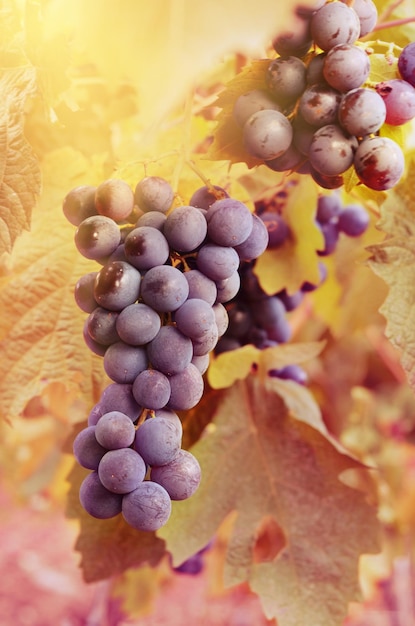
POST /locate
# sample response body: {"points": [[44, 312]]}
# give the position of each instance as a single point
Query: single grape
{"points": [[270, 315], [334, 23], [331, 235], [79, 204], [186, 389], [200, 286], [229, 222], [267, 134], [353, 220], [122, 470], [367, 13], [406, 63], [123, 363], [114, 198], [148, 507], [303, 134], [153, 193], [277, 228], [151, 389], [87, 450], [157, 440], [315, 67], [327, 182], [362, 112], [297, 41], [201, 362], [346, 67], [117, 285], [292, 372], [181, 477], [155, 219], [251, 102], [137, 324], [194, 318], [332, 151], [170, 351], [228, 288], [203, 197], [97, 237], [319, 105], [98, 501], [207, 343], [328, 207], [101, 325], [307, 10], [222, 318], [84, 292], [290, 160], [240, 320], [94, 346], [115, 430], [255, 244], [185, 228], [286, 79], [119, 397], [217, 262], [168, 414], [399, 99], [145, 247], [164, 288], [95, 414], [379, 163]]}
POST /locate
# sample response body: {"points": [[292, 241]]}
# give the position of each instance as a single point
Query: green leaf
{"points": [[279, 477]]}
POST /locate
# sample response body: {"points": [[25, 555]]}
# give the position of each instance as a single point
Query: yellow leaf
{"points": [[296, 261]]}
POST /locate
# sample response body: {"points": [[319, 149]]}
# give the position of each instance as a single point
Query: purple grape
{"points": [[186, 389], [217, 262], [290, 160], [207, 342], [148, 507], [290, 372], [406, 63], [98, 501], [328, 207], [101, 325], [137, 324], [255, 244], [164, 288], [119, 397], [153, 193], [267, 134], [200, 286], [315, 67], [122, 470], [181, 477], [346, 67], [319, 105], [79, 204], [399, 99], [379, 163], [332, 151], [115, 199], [331, 235], [222, 319], [123, 363], [155, 219], [367, 13], [185, 228], [115, 430], [353, 220], [201, 362], [87, 450], [151, 389], [97, 237], [335, 23], [170, 351], [84, 292], [249, 103], [203, 197], [286, 79], [229, 222], [194, 318], [362, 112], [94, 346], [277, 227], [295, 42], [157, 440], [117, 285], [146, 247], [228, 288]]}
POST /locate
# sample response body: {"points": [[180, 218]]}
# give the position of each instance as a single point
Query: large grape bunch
{"points": [[262, 319], [155, 311], [317, 112]]}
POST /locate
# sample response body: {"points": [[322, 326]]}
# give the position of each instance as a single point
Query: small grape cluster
{"points": [[155, 312], [316, 112], [258, 318]]}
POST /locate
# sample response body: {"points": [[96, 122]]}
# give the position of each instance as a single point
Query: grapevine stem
{"points": [[389, 10], [394, 23]]}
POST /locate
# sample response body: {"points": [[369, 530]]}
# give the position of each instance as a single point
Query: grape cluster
{"points": [[155, 310], [316, 113], [258, 318]]}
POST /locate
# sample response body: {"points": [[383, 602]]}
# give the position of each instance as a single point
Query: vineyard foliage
{"points": [[294, 477]]}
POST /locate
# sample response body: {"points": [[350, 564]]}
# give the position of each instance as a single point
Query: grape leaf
{"points": [[281, 477], [41, 332], [394, 261], [296, 261], [108, 547], [19, 167]]}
